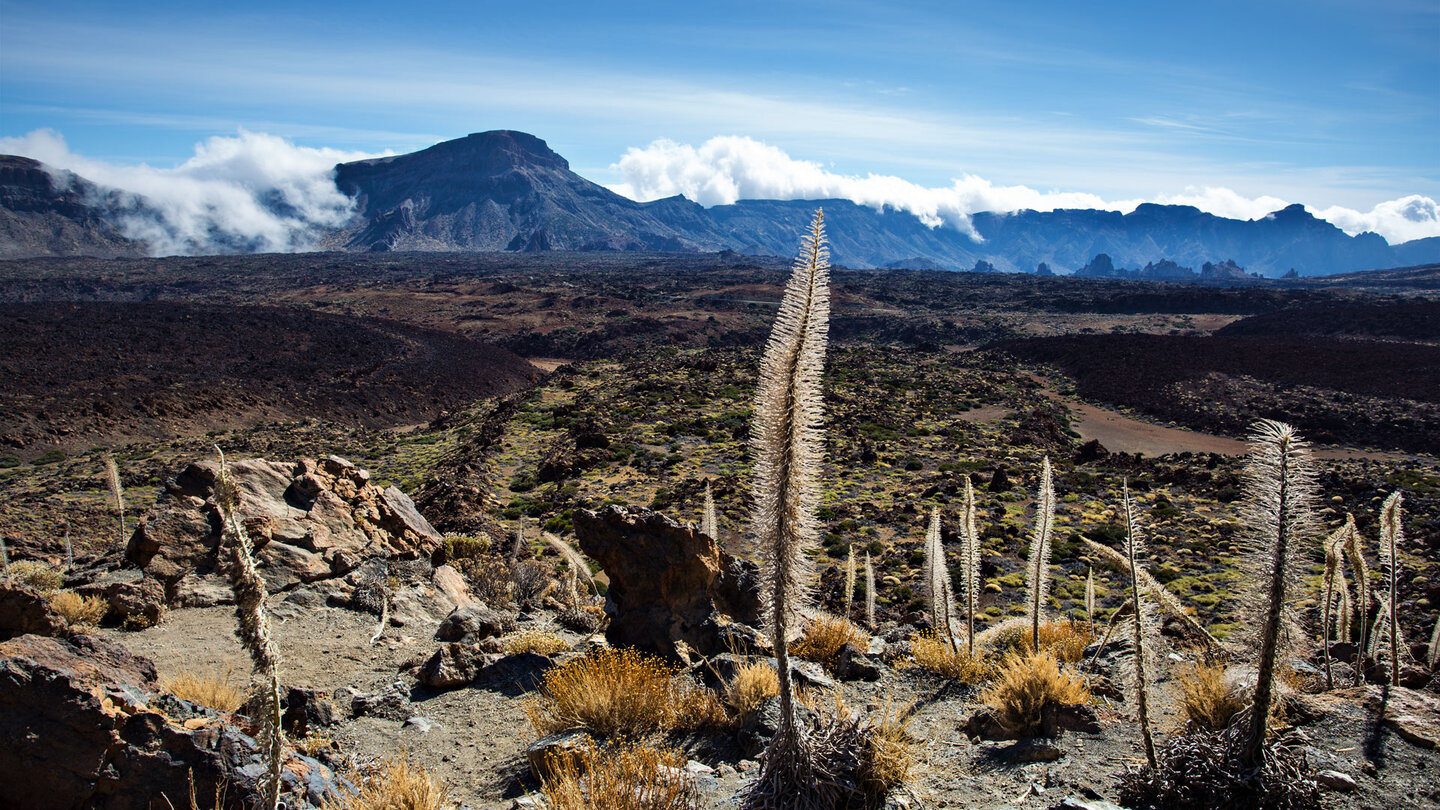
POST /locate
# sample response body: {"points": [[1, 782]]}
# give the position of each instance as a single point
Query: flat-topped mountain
{"points": [[508, 191]]}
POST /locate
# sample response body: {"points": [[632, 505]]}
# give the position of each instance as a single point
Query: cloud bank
{"points": [[250, 192], [729, 168]]}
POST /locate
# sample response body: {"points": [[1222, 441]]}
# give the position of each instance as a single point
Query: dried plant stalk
{"points": [[1134, 547], [788, 447], [1038, 566], [1090, 595], [1391, 534], [1158, 592], [709, 522], [1364, 599], [869, 592], [937, 581], [1279, 516], [117, 492], [849, 580], [254, 629], [970, 564], [1334, 577]]}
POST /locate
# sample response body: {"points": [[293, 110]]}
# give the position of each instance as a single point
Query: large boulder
{"points": [[671, 587], [85, 725], [25, 610], [309, 520]]}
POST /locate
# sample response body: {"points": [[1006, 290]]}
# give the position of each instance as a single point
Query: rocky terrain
{"points": [[389, 441]]}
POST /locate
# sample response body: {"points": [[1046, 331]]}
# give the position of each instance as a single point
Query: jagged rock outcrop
{"points": [[46, 212], [671, 587], [310, 520], [86, 725], [25, 610]]}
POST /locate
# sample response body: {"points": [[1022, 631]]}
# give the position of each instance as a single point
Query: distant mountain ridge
{"points": [[508, 191]]}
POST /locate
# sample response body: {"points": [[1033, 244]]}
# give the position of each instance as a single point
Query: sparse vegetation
{"points": [[824, 636], [754, 682], [1208, 699], [626, 776], [1023, 685], [218, 690], [393, 784], [36, 575], [619, 693], [78, 611], [534, 641], [936, 655]]}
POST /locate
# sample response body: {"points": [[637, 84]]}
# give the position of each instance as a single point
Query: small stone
{"points": [[746, 765], [1072, 803], [1336, 781], [725, 770], [528, 803], [551, 750], [421, 724], [696, 768], [1032, 750]]}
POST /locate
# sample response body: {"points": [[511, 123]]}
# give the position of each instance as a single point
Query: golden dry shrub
{"points": [[1066, 641], [620, 777], [77, 610], [824, 636], [465, 546], [1024, 684], [888, 758], [933, 654], [216, 690], [620, 693], [36, 575], [394, 784], [533, 641], [754, 682], [1207, 698]]}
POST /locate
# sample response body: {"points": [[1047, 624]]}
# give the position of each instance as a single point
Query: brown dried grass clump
{"points": [[77, 610], [933, 654], [1024, 684], [217, 690], [754, 682], [621, 777], [395, 784], [36, 575], [619, 693], [888, 759], [823, 638], [533, 641], [1207, 698], [1066, 641]]}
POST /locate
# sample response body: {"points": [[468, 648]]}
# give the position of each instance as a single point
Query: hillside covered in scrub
{"points": [[479, 490]]}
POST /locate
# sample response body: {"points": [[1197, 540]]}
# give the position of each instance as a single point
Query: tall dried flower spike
{"points": [[788, 448], [1090, 597], [1038, 565], [849, 580], [970, 564], [117, 493], [1334, 577], [709, 522], [937, 581], [869, 592], [1364, 598], [1391, 535], [1279, 517], [1433, 659], [1134, 548], [254, 628], [1162, 595]]}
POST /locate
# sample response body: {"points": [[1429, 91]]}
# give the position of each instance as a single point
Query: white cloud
{"points": [[729, 168], [248, 192]]}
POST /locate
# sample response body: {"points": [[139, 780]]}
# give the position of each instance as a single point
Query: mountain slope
{"points": [[40, 218], [499, 190]]}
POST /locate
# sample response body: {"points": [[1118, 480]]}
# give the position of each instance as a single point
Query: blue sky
{"points": [[1332, 104]]}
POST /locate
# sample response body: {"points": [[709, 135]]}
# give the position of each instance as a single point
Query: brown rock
{"points": [[548, 753], [1412, 714], [455, 665], [474, 622], [453, 585], [82, 724], [669, 583], [310, 520], [134, 601], [26, 610]]}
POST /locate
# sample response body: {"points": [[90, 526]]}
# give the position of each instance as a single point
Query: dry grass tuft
{"points": [[534, 641], [889, 755], [823, 638], [36, 575], [620, 693], [218, 691], [77, 610], [933, 654], [1208, 699], [754, 682], [395, 784], [1025, 683], [465, 546], [1066, 641], [622, 777]]}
